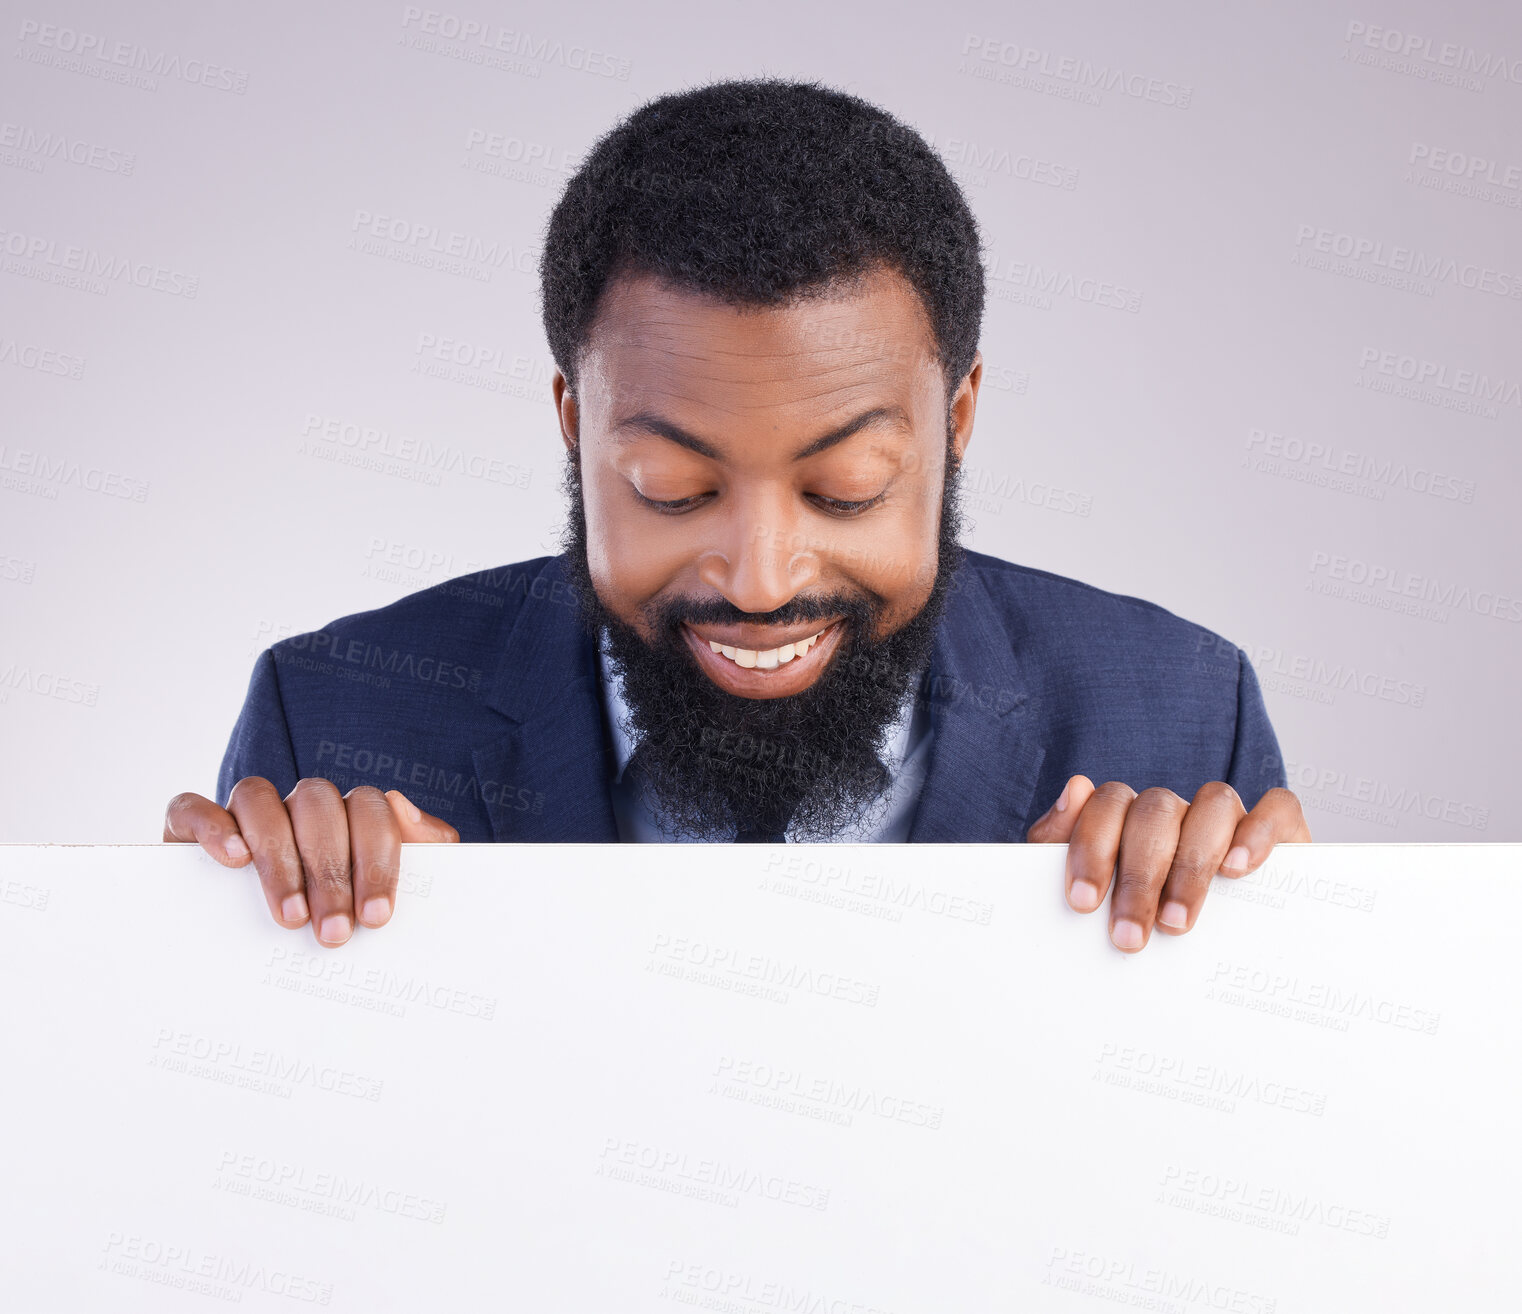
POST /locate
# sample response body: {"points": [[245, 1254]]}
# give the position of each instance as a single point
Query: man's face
{"points": [[763, 524], [800, 452]]}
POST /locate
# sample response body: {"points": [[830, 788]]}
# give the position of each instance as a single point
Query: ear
{"points": [[566, 410], [964, 405]]}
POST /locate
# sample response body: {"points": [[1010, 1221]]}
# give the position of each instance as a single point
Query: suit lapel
{"points": [[986, 754], [545, 779]]}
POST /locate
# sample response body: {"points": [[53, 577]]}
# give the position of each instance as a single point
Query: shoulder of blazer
{"points": [[500, 638], [1053, 613], [464, 619]]}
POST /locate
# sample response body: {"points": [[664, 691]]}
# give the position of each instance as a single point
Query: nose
{"points": [[765, 558]]}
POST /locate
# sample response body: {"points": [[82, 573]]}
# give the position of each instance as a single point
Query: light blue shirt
{"points": [[885, 820]]}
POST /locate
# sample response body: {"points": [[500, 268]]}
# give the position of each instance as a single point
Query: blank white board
{"points": [[851, 1080]]}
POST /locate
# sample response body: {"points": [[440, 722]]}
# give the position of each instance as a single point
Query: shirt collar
{"points": [[617, 708]]}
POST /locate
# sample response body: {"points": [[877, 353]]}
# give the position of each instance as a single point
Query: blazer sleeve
{"points": [[1256, 762], [261, 739]]}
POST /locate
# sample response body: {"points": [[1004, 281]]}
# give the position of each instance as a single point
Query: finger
{"points": [[375, 850], [1203, 841], [262, 818], [1095, 844], [1147, 845], [321, 826], [193, 819], [1055, 825], [417, 826], [1276, 819]]}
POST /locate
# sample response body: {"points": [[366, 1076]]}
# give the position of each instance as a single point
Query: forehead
{"points": [[655, 342]]}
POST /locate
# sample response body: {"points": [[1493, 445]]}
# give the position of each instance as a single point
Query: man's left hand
{"points": [[1160, 850]]}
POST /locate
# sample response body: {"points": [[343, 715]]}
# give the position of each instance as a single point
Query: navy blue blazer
{"points": [[479, 699]]}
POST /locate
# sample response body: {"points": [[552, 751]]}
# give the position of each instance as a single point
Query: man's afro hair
{"points": [[761, 191]]}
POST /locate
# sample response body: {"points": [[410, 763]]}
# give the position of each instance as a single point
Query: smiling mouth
{"points": [[776, 672], [765, 659]]}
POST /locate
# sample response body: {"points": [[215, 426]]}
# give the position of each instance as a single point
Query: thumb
{"points": [[417, 826], [1056, 824]]}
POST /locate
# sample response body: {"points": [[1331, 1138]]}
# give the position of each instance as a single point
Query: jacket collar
{"points": [[545, 778], [986, 754]]}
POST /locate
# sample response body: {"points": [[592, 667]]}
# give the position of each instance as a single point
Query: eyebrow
{"points": [[649, 423]]}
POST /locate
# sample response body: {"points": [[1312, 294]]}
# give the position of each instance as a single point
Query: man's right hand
{"points": [[320, 855]]}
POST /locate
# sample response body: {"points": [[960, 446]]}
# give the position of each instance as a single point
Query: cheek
{"points": [[630, 558], [895, 554]]}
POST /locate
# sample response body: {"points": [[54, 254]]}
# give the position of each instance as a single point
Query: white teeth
{"points": [[765, 659]]}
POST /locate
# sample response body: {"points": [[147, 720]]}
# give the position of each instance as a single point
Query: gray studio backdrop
{"points": [[270, 350]]}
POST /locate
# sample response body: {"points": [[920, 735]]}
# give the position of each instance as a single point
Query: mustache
{"points": [[672, 614]]}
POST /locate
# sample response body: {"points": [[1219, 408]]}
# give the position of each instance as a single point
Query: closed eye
{"points": [[835, 506], [672, 508]]}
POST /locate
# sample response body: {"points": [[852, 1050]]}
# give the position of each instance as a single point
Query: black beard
{"points": [[713, 762]]}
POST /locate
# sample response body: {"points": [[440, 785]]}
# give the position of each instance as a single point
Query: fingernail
{"points": [[1237, 859], [234, 847], [376, 911], [1127, 935], [335, 929], [1084, 896], [294, 908], [1174, 914], [413, 811], [1061, 805]]}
